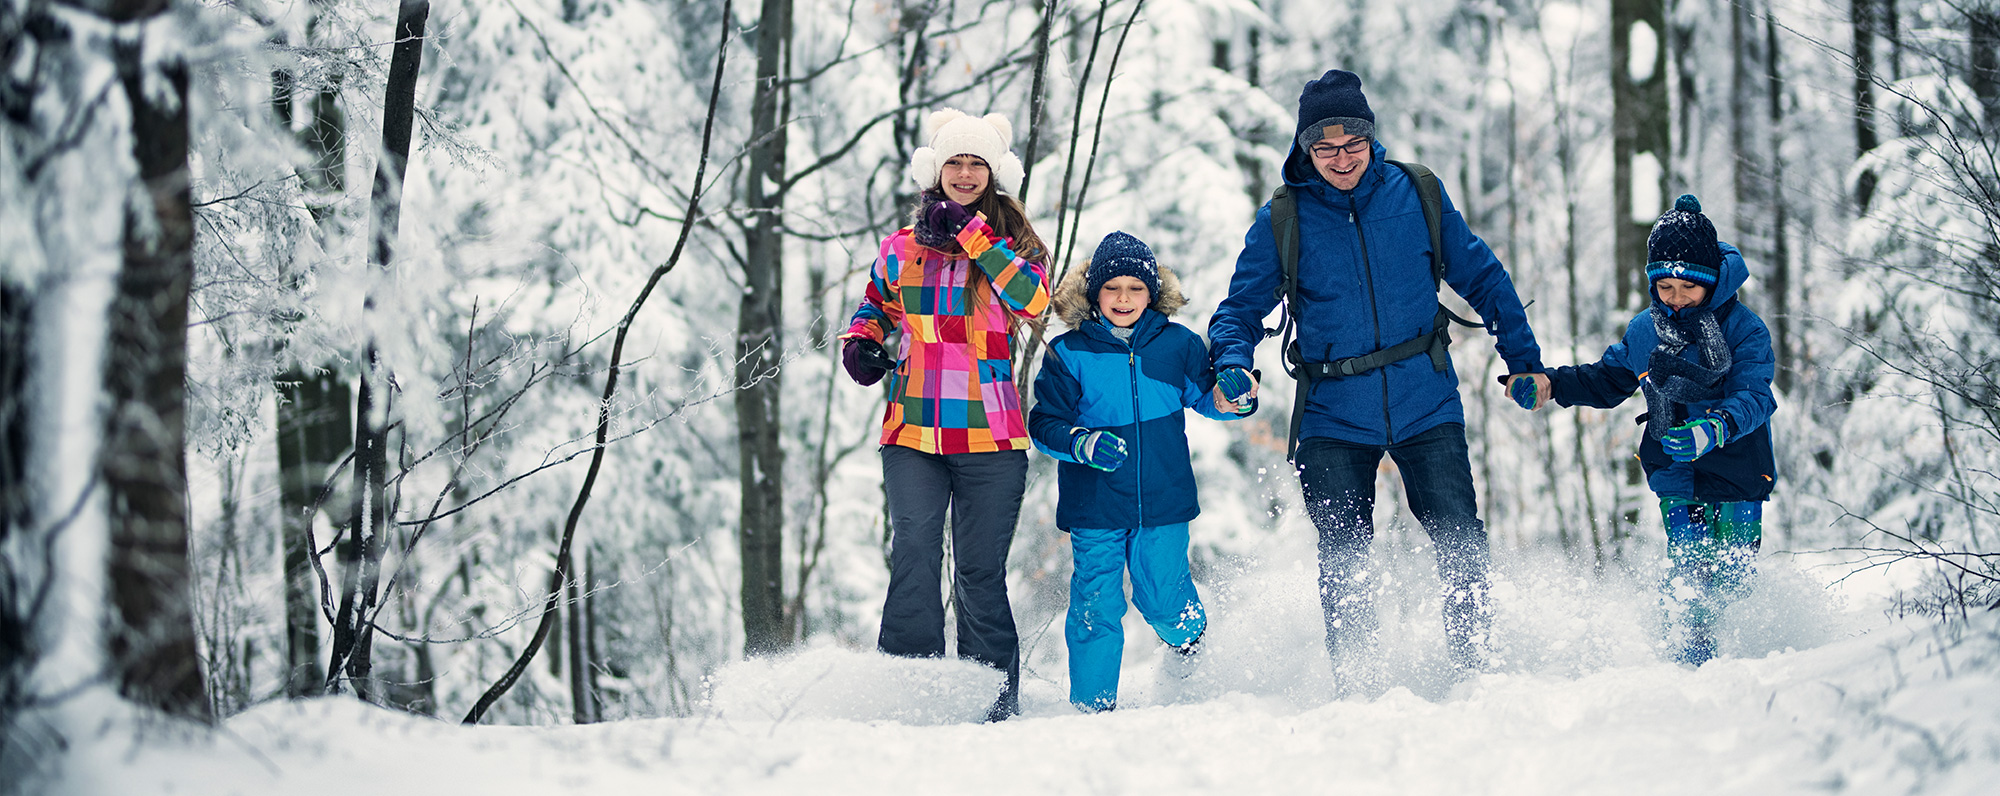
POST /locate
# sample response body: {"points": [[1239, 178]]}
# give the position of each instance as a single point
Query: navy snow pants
{"points": [[1338, 480], [983, 493]]}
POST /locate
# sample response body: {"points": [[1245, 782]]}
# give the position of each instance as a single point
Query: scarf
{"points": [[1671, 382]]}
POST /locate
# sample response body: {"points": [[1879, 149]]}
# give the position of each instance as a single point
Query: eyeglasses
{"points": [[1325, 151]]}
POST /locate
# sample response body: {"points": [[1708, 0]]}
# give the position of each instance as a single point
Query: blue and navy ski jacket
{"points": [[1092, 380], [1364, 284], [1743, 468]]}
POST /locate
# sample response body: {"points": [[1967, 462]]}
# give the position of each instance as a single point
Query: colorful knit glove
{"points": [[866, 361], [1100, 449], [1235, 384], [1522, 390], [1690, 441], [948, 217]]}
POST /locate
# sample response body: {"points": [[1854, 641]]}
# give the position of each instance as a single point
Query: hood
{"points": [[1735, 272], [1299, 169], [1074, 309]]}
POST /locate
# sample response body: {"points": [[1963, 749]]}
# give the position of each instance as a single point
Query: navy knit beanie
{"points": [[1333, 106], [1683, 246], [1122, 255]]}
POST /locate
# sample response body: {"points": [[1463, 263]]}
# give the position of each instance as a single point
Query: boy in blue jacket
{"points": [[1108, 406], [1704, 362]]}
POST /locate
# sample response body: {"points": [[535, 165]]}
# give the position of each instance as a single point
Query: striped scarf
{"points": [[1671, 382]]}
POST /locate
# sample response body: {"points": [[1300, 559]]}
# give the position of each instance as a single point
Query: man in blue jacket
{"points": [[1373, 379]]}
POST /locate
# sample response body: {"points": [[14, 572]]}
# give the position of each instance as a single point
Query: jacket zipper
{"points": [[1374, 314], [1138, 460]]}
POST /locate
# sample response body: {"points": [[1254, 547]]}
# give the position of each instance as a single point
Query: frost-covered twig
{"points": [[549, 611]]}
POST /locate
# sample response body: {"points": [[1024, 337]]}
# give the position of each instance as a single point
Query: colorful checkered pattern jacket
{"points": [[953, 390]]}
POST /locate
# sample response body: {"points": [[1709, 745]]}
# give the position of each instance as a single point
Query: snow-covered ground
{"points": [[1810, 697]]}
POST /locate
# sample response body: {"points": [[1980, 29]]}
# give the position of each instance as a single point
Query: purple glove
{"points": [[866, 361], [948, 217]]}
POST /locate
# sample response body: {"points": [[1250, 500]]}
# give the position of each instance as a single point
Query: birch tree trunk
{"points": [[153, 655], [353, 635]]}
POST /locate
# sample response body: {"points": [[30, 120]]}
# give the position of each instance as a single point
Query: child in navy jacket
{"points": [[1109, 403], [1704, 362]]}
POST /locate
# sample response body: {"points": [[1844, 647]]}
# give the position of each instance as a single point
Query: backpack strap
{"points": [[1285, 234]]}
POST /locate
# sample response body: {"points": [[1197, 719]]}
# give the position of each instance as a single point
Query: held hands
{"points": [[1690, 441], [1530, 391], [1234, 387], [866, 361], [1099, 449], [948, 217]]}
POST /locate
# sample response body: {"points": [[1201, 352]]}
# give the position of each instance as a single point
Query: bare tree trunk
{"points": [[17, 654], [313, 404], [154, 656], [1861, 15], [1038, 98], [760, 349], [313, 432], [1639, 122], [1983, 73], [1781, 254], [353, 635], [579, 691], [1744, 84]]}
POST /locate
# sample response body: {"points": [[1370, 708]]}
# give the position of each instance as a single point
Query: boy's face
{"points": [[1123, 299], [1679, 294]]}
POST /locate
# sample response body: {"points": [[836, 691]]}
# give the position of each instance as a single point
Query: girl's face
{"points": [[1123, 299], [965, 178], [1679, 294]]}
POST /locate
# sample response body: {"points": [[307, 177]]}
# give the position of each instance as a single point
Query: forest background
{"points": [[474, 358]]}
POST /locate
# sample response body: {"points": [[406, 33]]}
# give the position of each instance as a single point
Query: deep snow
{"points": [[1809, 698]]}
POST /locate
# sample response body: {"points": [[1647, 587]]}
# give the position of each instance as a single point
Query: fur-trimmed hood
{"points": [[1073, 308]]}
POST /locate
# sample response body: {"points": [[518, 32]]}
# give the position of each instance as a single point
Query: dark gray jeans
{"points": [[1339, 485], [983, 493]]}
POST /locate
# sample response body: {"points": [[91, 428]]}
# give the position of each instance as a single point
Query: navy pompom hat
{"points": [[1333, 106], [1118, 255], [1683, 246]]}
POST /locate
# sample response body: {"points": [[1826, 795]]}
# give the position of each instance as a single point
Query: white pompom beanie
{"points": [[954, 132]]}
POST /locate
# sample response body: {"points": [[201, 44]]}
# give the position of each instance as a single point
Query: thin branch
{"points": [[551, 602]]}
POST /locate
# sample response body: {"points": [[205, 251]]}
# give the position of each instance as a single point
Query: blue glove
{"points": [[1690, 441], [1100, 449], [1235, 385], [1522, 390]]}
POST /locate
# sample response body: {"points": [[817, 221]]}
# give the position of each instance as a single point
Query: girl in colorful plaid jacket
{"points": [[952, 287]]}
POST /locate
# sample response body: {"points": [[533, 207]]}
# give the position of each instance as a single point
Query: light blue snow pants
{"points": [[1162, 588]]}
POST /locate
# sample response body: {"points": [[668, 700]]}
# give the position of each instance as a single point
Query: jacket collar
{"points": [[1149, 326]]}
